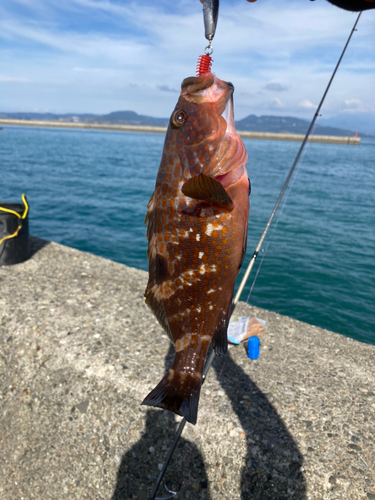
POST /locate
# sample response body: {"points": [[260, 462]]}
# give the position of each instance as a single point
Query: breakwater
{"points": [[80, 350], [161, 130]]}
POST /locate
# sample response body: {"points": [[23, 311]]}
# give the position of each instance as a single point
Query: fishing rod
{"points": [[252, 261]]}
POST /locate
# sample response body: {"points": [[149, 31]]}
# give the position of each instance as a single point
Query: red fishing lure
{"points": [[204, 64]]}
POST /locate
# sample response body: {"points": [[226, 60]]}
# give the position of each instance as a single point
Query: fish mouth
{"points": [[207, 88], [228, 163], [235, 150], [228, 113]]}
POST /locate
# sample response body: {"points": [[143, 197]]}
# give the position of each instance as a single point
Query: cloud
{"points": [[276, 103], [278, 87], [306, 104], [357, 106], [94, 45], [353, 104], [165, 88], [13, 79], [80, 55]]}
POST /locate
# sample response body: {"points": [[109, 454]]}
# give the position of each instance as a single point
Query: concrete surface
{"points": [[79, 350]]}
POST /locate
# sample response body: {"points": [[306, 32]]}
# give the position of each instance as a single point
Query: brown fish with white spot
{"points": [[197, 227]]}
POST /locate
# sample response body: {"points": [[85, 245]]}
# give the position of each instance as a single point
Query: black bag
{"points": [[14, 232]]}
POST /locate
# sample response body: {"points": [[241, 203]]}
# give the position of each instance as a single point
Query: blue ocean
{"points": [[89, 190]]}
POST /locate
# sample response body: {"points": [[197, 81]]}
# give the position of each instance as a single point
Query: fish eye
{"points": [[178, 119]]}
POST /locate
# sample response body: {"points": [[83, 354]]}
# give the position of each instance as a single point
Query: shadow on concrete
{"points": [[139, 470], [36, 244], [273, 460]]}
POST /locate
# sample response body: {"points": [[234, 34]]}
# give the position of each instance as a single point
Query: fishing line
{"points": [[263, 251], [170, 490], [273, 229], [273, 213], [256, 252]]}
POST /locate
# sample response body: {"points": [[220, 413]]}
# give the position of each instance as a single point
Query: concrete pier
{"points": [[329, 139], [79, 351], [162, 130]]}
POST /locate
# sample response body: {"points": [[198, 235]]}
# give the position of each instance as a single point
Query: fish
{"points": [[197, 222]]}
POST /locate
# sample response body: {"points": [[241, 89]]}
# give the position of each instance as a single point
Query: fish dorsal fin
{"points": [[202, 187]]}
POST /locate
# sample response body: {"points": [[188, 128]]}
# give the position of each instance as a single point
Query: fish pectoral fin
{"points": [[203, 187]]}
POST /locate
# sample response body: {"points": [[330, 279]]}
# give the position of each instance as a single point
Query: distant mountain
{"points": [[287, 125], [118, 117], [45, 116], [131, 118], [356, 121], [253, 123]]}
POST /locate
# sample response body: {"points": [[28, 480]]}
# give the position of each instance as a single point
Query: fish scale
{"points": [[197, 236]]}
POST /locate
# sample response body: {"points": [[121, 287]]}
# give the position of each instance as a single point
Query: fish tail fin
{"points": [[179, 392]]}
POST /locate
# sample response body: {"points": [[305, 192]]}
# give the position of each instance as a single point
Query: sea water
{"points": [[89, 190]]}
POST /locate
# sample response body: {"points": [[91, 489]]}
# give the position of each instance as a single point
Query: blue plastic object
{"points": [[253, 348]]}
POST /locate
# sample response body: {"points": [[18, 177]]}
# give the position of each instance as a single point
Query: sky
{"points": [[98, 56]]}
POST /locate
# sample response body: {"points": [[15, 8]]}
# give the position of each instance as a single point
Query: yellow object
{"points": [[17, 215]]}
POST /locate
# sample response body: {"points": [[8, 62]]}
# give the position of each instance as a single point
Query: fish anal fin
{"points": [[244, 247], [220, 336], [220, 339], [205, 188]]}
